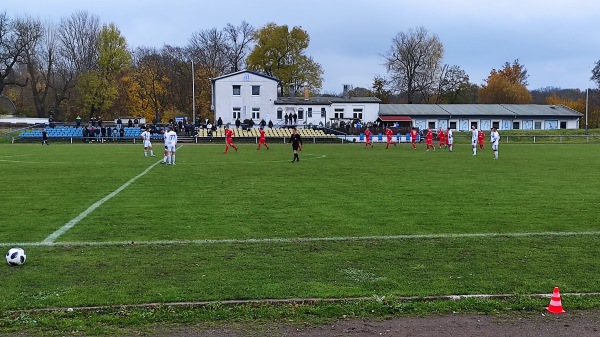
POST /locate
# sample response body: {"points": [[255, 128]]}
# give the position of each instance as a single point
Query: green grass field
{"points": [[344, 222]]}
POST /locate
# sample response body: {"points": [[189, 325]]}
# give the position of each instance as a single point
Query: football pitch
{"points": [[102, 225]]}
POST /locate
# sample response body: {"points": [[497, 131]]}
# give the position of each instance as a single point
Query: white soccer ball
{"points": [[15, 256]]}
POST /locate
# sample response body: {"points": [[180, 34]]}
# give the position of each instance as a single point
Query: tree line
{"points": [[81, 67]]}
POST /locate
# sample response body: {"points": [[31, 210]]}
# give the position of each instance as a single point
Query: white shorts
{"points": [[473, 142], [147, 143], [494, 147], [170, 148]]}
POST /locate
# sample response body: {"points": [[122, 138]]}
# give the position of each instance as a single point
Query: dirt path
{"points": [[583, 324]]}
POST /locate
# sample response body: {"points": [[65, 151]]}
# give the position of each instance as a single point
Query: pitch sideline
{"points": [[295, 240]]}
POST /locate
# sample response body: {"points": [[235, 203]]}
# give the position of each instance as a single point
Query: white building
{"points": [[247, 95]]}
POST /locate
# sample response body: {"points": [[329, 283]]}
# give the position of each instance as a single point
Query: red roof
{"points": [[395, 118]]}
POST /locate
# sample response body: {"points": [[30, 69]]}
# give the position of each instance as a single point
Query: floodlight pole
{"points": [[587, 95], [193, 95]]}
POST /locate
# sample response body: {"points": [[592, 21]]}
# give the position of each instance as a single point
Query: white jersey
{"points": [[495, 139], [146, 138], [450, 137], [171, 141], [474, 136]]}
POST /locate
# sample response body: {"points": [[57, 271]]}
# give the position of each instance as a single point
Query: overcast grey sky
{"points": [[557, 41]]}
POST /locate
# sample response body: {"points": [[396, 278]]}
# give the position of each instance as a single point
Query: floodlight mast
{"points": [[587, 95], [193, 95]]}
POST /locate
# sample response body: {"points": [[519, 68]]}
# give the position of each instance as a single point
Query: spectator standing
{"points": [[270, 124], [44, 137], [130, 123], [119, 123], [78, 121], [237, 123], [219, 122]]}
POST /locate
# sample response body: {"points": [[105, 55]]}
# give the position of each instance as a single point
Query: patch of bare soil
{"points": [[581, 324]]}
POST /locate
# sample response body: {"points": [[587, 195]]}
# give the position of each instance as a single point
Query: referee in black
{"points": [[296, 141]]}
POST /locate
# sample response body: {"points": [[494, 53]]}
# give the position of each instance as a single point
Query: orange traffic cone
{"points": [[555, 305]]}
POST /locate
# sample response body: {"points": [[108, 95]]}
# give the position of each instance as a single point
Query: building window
{"points": [[357, 115], [309, 113], [496, 125], [237, 113], [237, 90], [323, 113], [255, 113], [516, 125], [452, 125], [338, 113], [279, 113], [300, 113], [538, 125], [474, 124], [563, 125], [255, 90], [431, 125]]}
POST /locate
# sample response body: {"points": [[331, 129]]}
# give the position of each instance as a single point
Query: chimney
{"points": [[292, 90], [345, 93], [305, 91]]}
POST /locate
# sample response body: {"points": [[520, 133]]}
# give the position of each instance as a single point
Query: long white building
{"points": [[247, 95]]}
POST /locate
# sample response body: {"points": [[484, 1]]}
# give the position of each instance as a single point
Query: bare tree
{"points": [[78, 35], [40, 59], [208, 49], [16, 36], [238, 40], [413, 61]]}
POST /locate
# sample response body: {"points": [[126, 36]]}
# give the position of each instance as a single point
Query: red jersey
{"points": [[413, 134], [368, 134], [481, 137], [441, 135], [262, 135], [228, 134], [389, 133], [429, 136]]}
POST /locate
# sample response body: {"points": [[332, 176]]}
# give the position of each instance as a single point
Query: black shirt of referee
{"points": [[296, 141]]}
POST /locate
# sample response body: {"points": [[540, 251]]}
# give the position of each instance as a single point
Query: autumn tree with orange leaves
{"points": [[506, 86]]}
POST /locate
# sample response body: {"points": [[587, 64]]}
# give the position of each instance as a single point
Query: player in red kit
{"points": [[229, 139], [413, 137], [368, 135], [262, 140], [481, 139], [389, 133], [442, 137], [429, 140]]}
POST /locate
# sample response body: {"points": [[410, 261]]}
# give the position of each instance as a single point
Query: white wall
{"points": [[225, 102]]}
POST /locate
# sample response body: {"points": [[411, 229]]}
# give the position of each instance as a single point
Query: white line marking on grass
{"points": [[50, 239], [303, 240]]}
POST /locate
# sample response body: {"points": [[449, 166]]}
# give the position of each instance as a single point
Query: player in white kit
{"points": [[474, 138], [170, 145], [147, 144], [495, 138], [449, 139]]}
